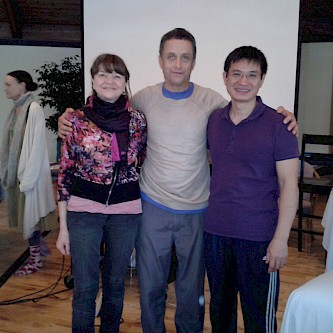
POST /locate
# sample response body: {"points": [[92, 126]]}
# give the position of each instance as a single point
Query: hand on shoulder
{"points": [[289, 118], [64, 126]]}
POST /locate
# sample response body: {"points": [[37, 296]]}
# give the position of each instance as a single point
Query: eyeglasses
{"points": [[251, 76]]}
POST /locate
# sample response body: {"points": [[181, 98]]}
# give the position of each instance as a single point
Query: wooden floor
{"points": [[26, 307]]}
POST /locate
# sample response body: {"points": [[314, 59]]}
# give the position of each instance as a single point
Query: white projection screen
{"points": [[132, 29]]}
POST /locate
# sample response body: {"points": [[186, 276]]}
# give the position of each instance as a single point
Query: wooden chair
{"points": [[309, 204], [323, 163]]}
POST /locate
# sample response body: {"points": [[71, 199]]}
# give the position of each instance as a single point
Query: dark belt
{"points": [[100, 192]]}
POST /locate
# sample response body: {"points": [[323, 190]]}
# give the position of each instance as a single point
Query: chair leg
{"points": [[309, 238]]}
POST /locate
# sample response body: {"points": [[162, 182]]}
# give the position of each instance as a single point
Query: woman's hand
{"points": [[63, 242]]}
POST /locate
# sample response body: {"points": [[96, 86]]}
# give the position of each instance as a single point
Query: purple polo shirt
{"points": [[244, 185]]}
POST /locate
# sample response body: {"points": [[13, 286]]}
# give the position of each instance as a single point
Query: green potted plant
{"points": [[61, 87]]}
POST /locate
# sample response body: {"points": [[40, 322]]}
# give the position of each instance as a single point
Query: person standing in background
{"points": [[25, 168]]}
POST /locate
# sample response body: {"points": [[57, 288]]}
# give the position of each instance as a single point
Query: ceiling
{"points": [[59, 21], [41, 22], [316, 21]]}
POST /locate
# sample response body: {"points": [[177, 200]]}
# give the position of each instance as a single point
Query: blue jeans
{"points": [[159, 230], [86, 232]]}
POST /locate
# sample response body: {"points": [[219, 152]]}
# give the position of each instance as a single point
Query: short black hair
{"points": [[250, 53], [179, 33]]}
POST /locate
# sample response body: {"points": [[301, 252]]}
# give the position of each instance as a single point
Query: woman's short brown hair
{"points": [[109, 63]]}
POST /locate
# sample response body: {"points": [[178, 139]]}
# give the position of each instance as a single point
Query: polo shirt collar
{"points": [[256, 113]]}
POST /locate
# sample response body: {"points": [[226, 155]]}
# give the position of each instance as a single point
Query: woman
{"points": [[25, 168], [98, 193]]}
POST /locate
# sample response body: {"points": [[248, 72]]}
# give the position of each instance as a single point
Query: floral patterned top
{"points": [[88, 163]]}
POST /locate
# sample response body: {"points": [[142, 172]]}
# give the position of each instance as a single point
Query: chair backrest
{"points": [[309, 172], [315, 158]]}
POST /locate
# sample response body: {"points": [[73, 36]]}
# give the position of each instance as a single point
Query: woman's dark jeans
{"points": [[87, 231]]}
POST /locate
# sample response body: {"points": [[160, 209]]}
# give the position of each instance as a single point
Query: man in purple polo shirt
{"points": [[253, 199]]}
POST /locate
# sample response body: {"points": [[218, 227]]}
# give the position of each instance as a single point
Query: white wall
{"points": [[29, 58], [315, 91], [133, 29]]}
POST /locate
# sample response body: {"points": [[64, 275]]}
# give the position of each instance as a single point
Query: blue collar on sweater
{"points": [[178, 95]]}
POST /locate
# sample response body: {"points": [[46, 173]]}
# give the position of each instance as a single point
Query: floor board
{"points": [[52, 314]]}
